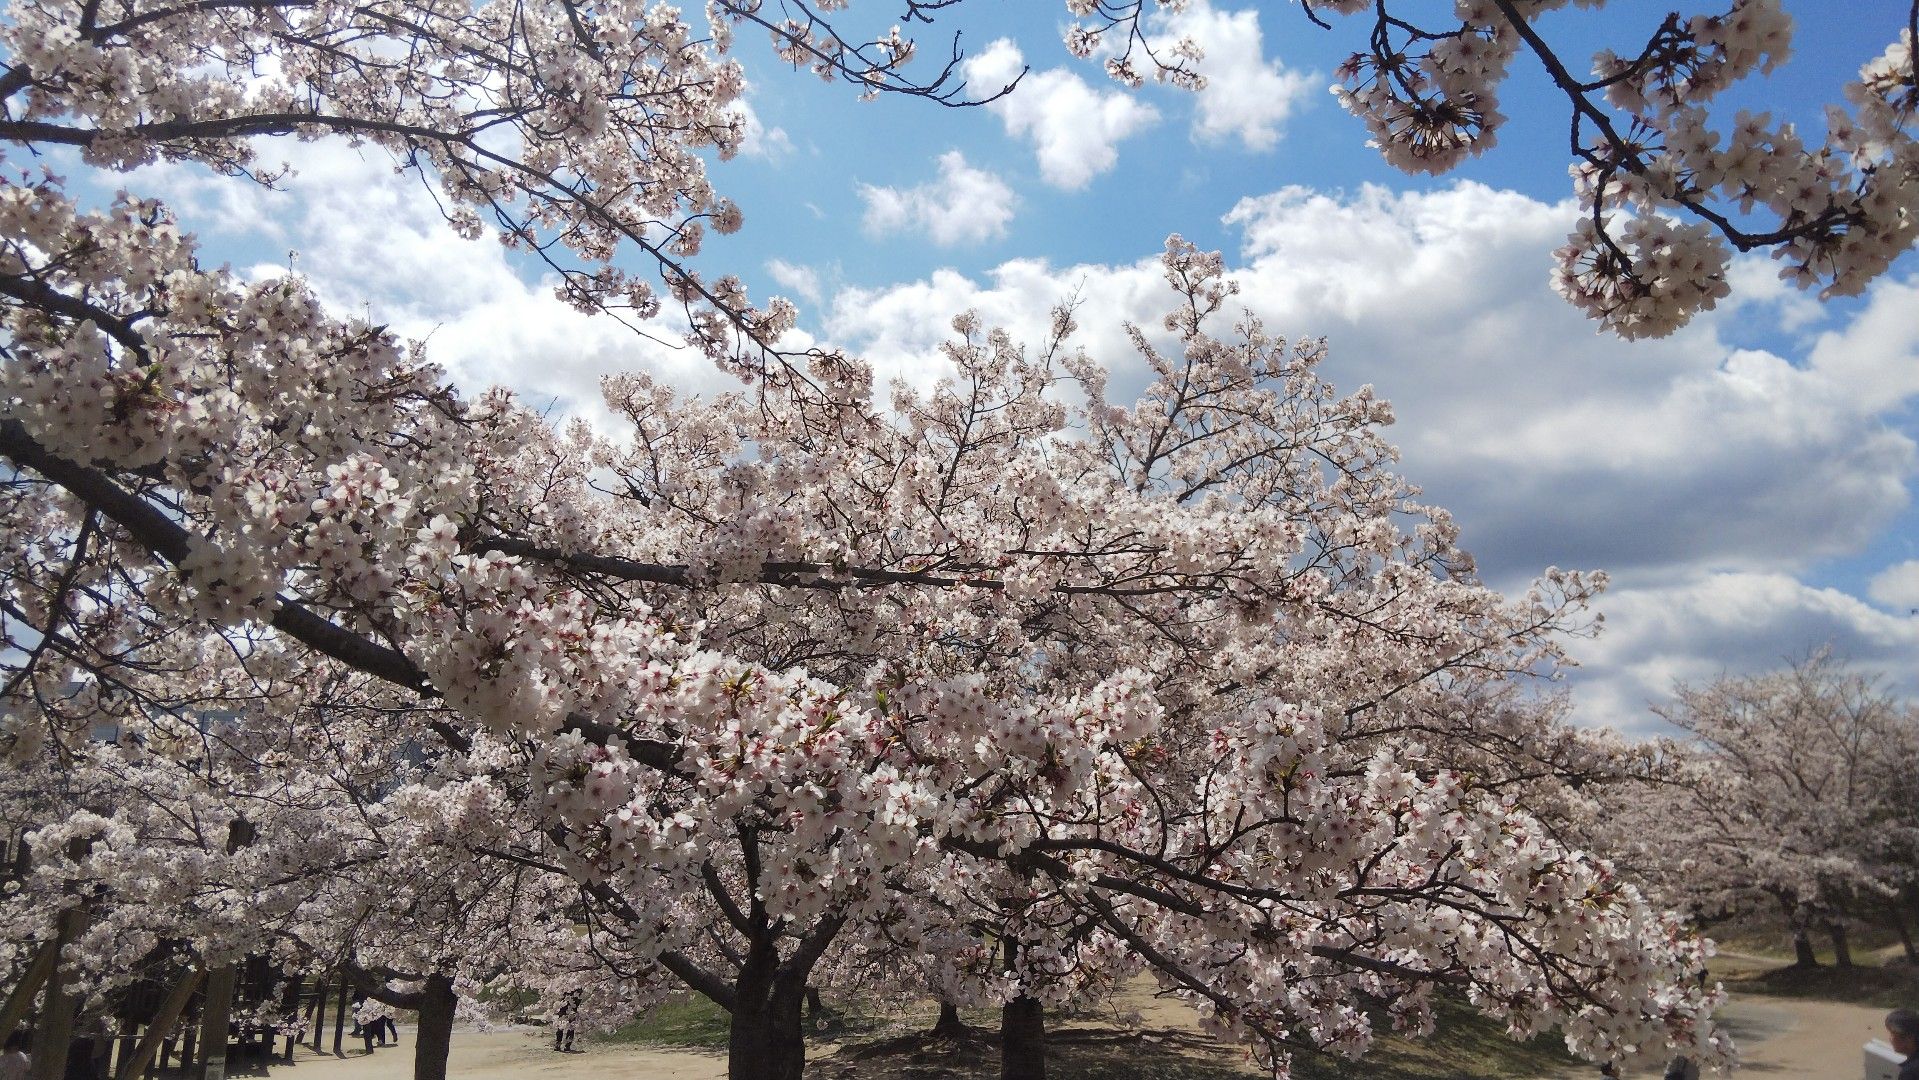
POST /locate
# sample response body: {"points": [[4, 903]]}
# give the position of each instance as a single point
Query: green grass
{"points": [[1466, 1046], [688, 1020], [692, 1021], [1862, 984]]}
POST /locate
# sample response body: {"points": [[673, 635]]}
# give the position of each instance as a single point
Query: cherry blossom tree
{"points": [[657, 662], [1794, 792], [1191, 684], [285, 827]]}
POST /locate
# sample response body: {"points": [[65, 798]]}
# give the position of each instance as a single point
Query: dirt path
{"points": [[507, 1054], [1787, 1039]]}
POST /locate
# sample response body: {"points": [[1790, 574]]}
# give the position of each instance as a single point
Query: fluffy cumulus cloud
{"points": [[1074, 129], [1897, 586], [370, 241], [800, 281], [1729, 623], [760, 141], [1247, 96], [1708, 478], [963, 206], [1560, 445]]}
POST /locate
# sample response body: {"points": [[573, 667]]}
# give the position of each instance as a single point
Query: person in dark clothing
{"points": [[1902, 1030], [563, 1025]]}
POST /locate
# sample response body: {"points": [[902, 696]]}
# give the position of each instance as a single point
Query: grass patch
{"points": [[1882, 987], [1466, 1046], [686, 1020], [690, 1020]]}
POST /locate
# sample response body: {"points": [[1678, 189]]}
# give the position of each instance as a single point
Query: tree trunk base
{"points": [[1022, 1040], [950, 1026], [433, 1039]]}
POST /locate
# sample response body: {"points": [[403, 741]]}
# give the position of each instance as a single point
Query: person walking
{"points": [[563, 1025]]}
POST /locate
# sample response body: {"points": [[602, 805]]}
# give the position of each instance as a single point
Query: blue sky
{"points": [[1747, 481]]}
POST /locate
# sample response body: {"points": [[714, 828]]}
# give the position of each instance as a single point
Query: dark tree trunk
{"points": [[339, 1016], [1906, 933], [434, 1039], [1841, 951], [53, 1031], [1802, 954], [949, 1025], [767, 1038], [1022, 1039], [319, 1011]]}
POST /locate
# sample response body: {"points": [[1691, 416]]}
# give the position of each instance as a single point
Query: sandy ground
{"points": [[1780, 1039], [504, 1053]]}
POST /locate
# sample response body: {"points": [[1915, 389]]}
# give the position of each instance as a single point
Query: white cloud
{"points": [[1557, 444], [1074, 129], [1897, 586], [760, 141], [1733, 624], [371, 241], [804, 281], [964, 206], [1246, 96]]}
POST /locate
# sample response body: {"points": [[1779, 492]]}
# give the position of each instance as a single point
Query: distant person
{"points": [[14, 1062], [563, 1025], [1681, 1068], [1902, 1030]]}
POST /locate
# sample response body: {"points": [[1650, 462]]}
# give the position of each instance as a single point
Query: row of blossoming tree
{"points": [[1791, 797], [1004, 688]]}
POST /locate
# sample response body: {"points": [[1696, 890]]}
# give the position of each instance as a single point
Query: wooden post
{"points": [[319, 1010], [189, 1047], [214, 1016], [339, 1018], [20, 1000], [161, 1029], [53, 1036]]}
